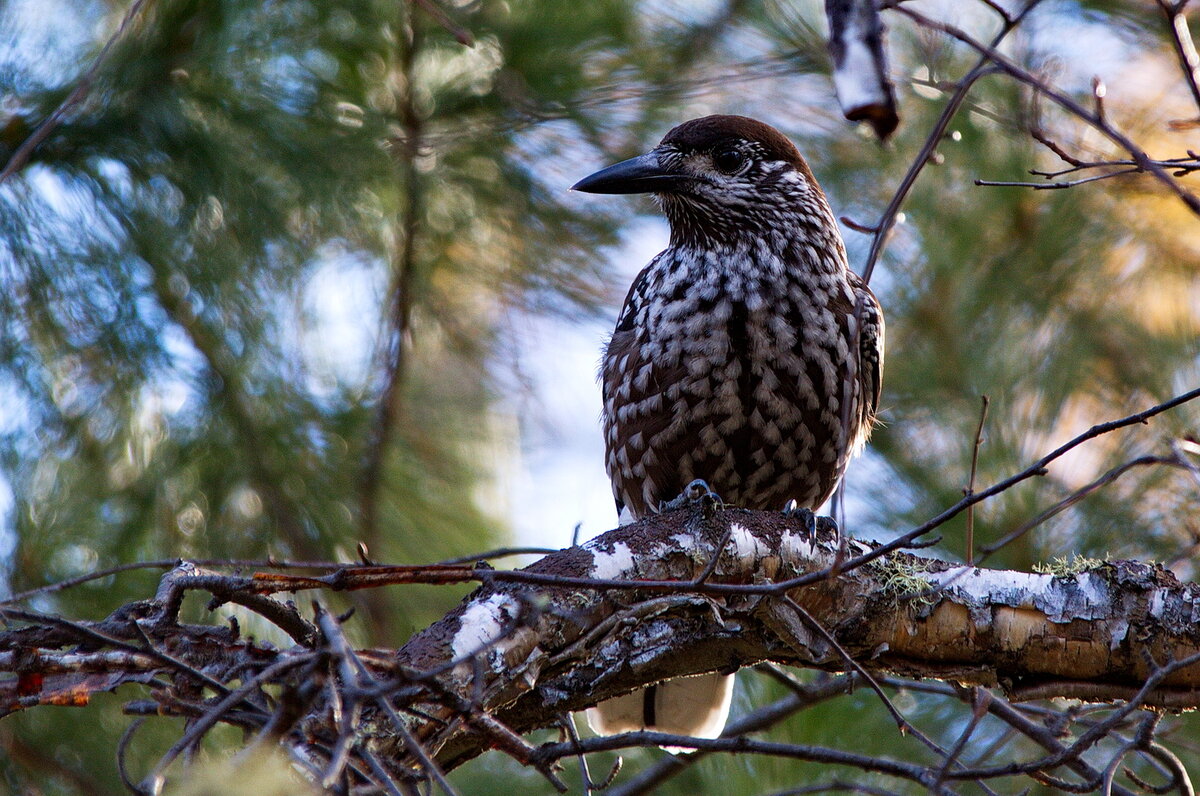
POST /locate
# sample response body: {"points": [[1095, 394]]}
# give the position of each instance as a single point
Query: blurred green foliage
{"points": [[172, 384]]}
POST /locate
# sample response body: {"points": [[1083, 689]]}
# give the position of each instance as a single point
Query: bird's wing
{"points": [[870, 351], [634, 390]]}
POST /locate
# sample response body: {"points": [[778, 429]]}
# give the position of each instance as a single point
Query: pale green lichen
{"points": [[904, 579], [1063, 567]]}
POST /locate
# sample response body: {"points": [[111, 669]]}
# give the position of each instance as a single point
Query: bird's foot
{"points": [[695, 492], [816, 526]]}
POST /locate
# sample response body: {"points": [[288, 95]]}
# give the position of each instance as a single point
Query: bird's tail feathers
{"points": [[697, 706]]}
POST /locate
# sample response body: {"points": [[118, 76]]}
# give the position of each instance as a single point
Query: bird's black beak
{"points": [[642, 174]]}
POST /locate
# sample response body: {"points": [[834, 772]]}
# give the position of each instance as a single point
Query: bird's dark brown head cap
{"points": [[709, 132], [724, 157]]}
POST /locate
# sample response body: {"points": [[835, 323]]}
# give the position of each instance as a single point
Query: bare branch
{"points": [[1095, 119], [1185, 49], [1050, 186], [20, 157], [884, 226], [860, 73], [970, 488], [1076, 496]]}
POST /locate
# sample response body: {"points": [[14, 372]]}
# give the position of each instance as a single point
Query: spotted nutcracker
{"points": [[747, 354]]}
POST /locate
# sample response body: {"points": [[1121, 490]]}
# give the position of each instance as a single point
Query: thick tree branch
{"points": [[527, 653], [628, 609], [860, 73]]}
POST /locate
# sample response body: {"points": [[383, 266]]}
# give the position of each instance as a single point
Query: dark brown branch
{"points": [[1092, 117], [1185, 49], [884, 226], [20, 157], [860, 74], [403, 262], [970, 488]]}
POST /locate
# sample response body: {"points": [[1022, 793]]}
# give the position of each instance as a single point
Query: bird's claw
{"points": [[828, 525], [694, 492], [805, 515], [814, 525]]}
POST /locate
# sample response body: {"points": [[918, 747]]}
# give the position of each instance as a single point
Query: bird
{"points": [[747, 354]]}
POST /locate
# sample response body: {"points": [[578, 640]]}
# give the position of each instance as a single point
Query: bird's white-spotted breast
{"points": [[747, 353]]}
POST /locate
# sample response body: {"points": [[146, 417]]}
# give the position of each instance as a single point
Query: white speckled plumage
{"points": [[732, 359], [747, 354]]}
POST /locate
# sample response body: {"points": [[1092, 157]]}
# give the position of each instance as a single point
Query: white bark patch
{"points": [[1157, 602], [1061, 599], [1093, 588], [797, 547], [679, 543], [686, 542], [746, 545], [481, 624], [1120, 629], [856, 79], [970, 583], [612, 565]]}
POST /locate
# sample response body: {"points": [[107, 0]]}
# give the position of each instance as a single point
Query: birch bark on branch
{"points": [[860, 75], [523, 654], [642, 603]]}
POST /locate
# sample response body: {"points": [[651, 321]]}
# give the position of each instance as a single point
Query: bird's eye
{"points": [[728, 160]]}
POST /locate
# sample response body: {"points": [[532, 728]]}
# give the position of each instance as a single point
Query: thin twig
{"points": [[903, 723], [884, 226], [346, 652], [154, 781], [22, 154], [1075, 497], [1182, 781], [1185, 49], [978, 711], [970, 489], [1053, 186], [1094, 119], [499, 552], [904, 770]]}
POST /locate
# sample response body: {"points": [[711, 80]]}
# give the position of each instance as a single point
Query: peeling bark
{"points": [[527, 653], [860, 76]]}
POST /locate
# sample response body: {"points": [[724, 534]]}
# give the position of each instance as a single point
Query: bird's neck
{"points": [[749, 271], [779, 254], [772, 240]]}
